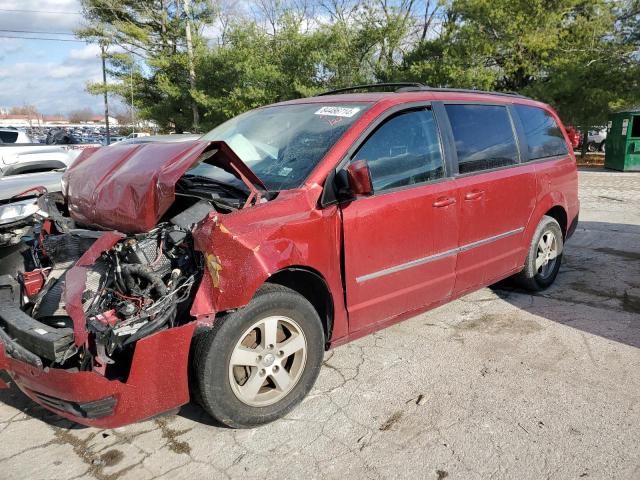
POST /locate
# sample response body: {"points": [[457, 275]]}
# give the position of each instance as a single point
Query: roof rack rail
{"points": [[401, 85], [425, 88]]}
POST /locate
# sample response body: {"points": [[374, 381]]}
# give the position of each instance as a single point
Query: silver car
{"points": [[18, 202]]}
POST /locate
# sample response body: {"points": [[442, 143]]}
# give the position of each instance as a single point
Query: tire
{"points": [[229, 393], [592, 147], [539, 278], [602, 147]]}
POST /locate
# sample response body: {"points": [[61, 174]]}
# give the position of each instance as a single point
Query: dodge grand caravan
{"points": [[220, 269]]}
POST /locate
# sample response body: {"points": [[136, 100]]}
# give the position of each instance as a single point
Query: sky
{"points": [[50, 75]]}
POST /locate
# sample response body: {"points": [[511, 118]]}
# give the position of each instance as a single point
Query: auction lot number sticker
{"points": [[337, 111]]}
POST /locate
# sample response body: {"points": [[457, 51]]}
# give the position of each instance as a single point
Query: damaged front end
{"points": [[96, 325], [88, 305]]}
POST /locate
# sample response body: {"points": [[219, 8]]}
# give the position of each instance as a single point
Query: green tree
{"points": [[578, 55], [155, 33]]}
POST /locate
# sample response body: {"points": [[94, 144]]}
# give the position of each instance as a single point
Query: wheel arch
{"points": [[553, 205], [309, 283], [560, 215]]}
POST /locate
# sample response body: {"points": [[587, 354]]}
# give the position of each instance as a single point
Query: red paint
{"points": [[482, 201], [33, 281], [75, 284], [127, 188], [360, 178], [157, 382]]}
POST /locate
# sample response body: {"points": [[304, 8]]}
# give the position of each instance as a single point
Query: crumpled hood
{"points": [[129, 187]]}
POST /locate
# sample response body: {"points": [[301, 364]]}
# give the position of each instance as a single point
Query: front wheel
{"points": [[544, 257], [256, 364]]}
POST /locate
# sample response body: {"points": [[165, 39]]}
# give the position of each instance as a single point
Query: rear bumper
{"points": [[157, 383]]}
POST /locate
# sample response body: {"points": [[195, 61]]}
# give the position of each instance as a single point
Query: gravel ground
{"points": [[499, 384]]}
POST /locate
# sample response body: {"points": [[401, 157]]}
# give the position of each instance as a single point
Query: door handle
{"points": [[474, 195], [444, 202]]}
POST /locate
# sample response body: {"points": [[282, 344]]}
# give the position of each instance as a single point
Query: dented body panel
{"points": [[157, 382], [129, 187], [364, 250]]}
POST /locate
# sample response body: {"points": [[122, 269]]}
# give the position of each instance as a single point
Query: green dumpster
{"points": [[622, 150]]}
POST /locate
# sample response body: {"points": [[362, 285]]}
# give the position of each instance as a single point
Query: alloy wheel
{"points": [[267, 361], [547, 254]]}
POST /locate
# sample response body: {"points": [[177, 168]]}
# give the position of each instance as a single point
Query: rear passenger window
{"points": [[543, 134], [483, 135], [403, 151]]}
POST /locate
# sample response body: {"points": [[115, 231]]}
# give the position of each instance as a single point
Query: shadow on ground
{"points": [[598, 287]]}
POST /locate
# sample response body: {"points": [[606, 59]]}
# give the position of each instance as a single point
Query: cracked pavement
{"points": [[500, 384]]}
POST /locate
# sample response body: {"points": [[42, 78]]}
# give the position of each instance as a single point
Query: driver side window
{"points": [[403, 151]]}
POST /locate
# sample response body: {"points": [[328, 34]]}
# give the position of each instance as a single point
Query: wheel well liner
{"points": [[311, 285], [560, 216]]}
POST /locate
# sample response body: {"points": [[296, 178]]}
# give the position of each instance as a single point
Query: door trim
{"points": [[437, 256]]}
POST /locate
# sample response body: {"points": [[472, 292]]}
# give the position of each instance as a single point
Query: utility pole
{"points": [[106, 101], [192, 71], [133, 123]]}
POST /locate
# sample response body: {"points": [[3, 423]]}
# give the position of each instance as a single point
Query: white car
{"points": [[12, 135], [18, 203], [596, 140], [19, 159]]}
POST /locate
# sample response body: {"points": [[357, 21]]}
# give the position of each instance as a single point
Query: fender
{"points": [[241, 254]]}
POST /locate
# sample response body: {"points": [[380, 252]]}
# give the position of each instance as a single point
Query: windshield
{"points": [[281, 144]]}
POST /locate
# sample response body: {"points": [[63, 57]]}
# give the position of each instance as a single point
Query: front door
{"points": [[400, 243]]}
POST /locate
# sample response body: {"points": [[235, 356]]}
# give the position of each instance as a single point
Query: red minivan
{"points": [[221, 269]]}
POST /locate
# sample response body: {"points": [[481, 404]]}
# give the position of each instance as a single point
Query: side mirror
{"points": [[345, 184], [359, 177]]}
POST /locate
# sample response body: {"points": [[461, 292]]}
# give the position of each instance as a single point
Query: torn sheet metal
{"points": [[129, 187]]}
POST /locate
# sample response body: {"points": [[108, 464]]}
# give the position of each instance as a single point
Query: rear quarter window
{"points": [[543, 134]]}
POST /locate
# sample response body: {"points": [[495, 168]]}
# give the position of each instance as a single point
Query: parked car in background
{"points": [[574, 136], [18, 203], [173, 138], [13, 136], [137, 135], [18, 159], [231, 262], [597, 139]]}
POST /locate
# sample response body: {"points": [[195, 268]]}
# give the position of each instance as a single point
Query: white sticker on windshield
{"points": [[41, 331], [338, 111]]}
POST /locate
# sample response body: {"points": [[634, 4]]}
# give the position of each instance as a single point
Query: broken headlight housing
{"points": [[16, 211]]}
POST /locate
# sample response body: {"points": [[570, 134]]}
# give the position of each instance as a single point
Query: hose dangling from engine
{"points": [[129, 271]]}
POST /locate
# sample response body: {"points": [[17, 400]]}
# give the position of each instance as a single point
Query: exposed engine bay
{"points": [[141, 285], [91, 279]]}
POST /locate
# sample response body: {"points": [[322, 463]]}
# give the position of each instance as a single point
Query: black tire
{"points": [[212, 354], [602, 147], [532, 278], [592, 147]]}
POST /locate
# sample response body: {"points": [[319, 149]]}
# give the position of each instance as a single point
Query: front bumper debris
{"points": [[157, 382]]}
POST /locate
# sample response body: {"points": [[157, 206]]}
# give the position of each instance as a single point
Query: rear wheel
{"points": [[544, 257], [257, 364]]}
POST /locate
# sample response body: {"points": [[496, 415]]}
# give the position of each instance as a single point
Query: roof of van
{"points": [[407, 96]]}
